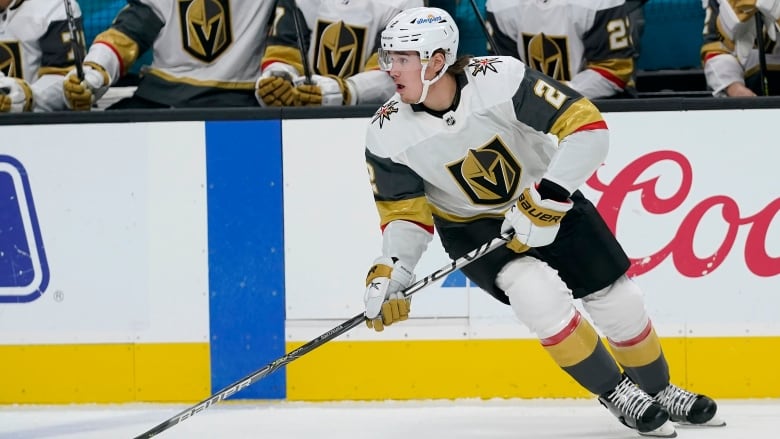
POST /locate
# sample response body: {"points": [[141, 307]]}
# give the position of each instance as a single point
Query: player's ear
{"points": [[438, 60]]}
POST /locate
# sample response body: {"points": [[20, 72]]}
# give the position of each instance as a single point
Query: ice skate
{"points": [[689, 408], [637, 410]]}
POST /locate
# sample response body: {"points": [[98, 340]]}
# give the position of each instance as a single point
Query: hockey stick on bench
{"points": [[485, 30], [76, 42], [322, 339]]}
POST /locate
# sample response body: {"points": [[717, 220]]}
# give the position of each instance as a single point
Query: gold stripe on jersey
{"points": [[100, 69], [640, 354], [623, 68], [745, 9], [728, 42], [54, 71], [198, 83], [462, 219], [28, 94], [125, 47], [372, 63], [414, 209], [580, 113], [715, 47], [287, 55]]}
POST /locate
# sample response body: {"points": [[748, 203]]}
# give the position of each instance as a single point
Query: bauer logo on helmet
{"points": [[430, 19]]}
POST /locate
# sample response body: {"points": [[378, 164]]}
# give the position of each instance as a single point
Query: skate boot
{"points": [[689, 408], [637, 410]]}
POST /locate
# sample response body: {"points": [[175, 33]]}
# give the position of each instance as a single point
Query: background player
{"points": [[730, 52], [35, 54], [586, 45], [340, 39], [203, 55]]}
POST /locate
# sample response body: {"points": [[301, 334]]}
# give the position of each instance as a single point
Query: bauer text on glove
{"points": [[385, 303], [535, 220]]}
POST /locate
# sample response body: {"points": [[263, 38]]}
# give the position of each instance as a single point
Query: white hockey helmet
{"points": [[422, 30]]}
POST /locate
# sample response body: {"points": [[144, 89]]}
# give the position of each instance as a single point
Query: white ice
{"points": [[461, 419]]}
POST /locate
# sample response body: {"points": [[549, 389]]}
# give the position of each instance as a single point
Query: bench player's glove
{"points": [[385, 304], [274, 88], [534, 220], [323, 90], [81, 95], [15, 95]]}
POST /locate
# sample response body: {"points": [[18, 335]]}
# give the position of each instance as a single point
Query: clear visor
{"points": [[403, 61]]}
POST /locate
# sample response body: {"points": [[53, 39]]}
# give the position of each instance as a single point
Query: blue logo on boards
{"points": [[455, 280], [24, 272]]}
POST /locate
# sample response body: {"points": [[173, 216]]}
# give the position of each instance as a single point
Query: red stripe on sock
{"points": [[428, 229], [564, 333], [636, 340]]}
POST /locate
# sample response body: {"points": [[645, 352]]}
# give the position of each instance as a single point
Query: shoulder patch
{"points": [[482, 65], [384, 112]]}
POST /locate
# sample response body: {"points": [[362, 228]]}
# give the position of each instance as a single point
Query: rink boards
{"points": [[163, 261]]}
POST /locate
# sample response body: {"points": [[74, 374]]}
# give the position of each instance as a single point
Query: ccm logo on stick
{"points": [[24, 272]]}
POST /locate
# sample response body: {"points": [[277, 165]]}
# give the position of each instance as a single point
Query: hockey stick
{"points": [[75, 41], [322, 339], [762, 70], [485, 29], [301, 45]]}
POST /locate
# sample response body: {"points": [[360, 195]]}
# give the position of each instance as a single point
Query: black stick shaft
{"points": [[485, 29], [75, 40], [322, 339], [301, 42], [762, 71], [254, 377]]}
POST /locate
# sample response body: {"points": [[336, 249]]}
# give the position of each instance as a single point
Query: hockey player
{"points": [[464, 145], [205, 54], [35, 54], [585, 45], [341, 38], [729, 50]]}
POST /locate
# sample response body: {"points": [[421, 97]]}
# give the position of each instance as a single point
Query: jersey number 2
{"points": [[552, 95]]}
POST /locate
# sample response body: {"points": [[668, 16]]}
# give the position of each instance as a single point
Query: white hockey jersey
{"points": [[204, 51], [35, 46], [341, 39], [585, 43], [729, 50], [474, 160]]}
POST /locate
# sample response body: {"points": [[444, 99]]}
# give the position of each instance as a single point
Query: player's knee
{"points": [[618, 310], [539, 298]]}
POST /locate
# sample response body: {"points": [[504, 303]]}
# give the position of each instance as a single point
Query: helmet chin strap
{"points": [[428, 82]]}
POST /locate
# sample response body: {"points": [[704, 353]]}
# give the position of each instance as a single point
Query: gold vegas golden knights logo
{"points": [[338, 48], [548, 54], [11, 59], [489, 174], [206, 30]]}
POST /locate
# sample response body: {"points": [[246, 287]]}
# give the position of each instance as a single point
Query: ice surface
{"points": [[460, 419]]}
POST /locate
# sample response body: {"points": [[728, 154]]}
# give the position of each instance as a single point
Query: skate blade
{"points": [[666, 430], [714, 422]]}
